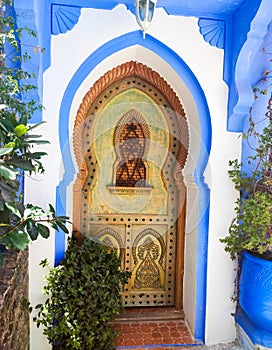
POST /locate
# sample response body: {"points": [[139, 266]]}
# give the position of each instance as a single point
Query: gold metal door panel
{"points": [[147, 250], [153, 271], [111, 236]]}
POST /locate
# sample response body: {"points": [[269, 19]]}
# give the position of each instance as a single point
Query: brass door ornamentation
{"points": [[130, 143]]}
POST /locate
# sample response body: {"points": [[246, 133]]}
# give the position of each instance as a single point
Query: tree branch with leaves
{"points": [[19, 222]]}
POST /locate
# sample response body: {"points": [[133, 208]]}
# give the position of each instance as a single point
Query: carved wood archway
{"points": [[156, 88]]}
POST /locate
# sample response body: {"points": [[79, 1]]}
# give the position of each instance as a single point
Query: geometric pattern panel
{"points": [[131, 143]]}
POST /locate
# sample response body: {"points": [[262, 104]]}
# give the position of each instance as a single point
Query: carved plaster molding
{"points": [[129, 190], [64, 18], [213, 31]]}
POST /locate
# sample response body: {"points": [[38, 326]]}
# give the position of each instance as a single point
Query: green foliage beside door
{"points": [[83, 298]]}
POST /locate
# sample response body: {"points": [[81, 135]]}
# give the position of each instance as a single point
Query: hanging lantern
{"points": [[144, 13]]}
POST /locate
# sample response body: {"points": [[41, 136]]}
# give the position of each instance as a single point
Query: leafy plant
{"points": [[83, 298], [251, 228], [19, 222]]}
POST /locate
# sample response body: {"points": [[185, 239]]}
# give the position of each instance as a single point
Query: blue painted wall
{"points": [[238, 28], [237, 24]]}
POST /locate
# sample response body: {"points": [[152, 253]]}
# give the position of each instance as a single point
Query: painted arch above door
{"points": [[195, 103]]}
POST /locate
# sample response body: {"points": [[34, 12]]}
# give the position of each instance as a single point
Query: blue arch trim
{"points": [[154, 45]]}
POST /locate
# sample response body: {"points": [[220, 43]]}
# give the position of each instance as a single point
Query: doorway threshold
{"points": [[150, 314]]}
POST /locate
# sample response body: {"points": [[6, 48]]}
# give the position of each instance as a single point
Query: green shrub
{"points": [[83, 298]]}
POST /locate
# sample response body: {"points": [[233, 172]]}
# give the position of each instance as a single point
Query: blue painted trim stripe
{"points": [[202, 260], [203, 225], [60, 237]]}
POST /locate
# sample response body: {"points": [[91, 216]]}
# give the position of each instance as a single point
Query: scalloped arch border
{"points": [[127, 69], [123, 120]]}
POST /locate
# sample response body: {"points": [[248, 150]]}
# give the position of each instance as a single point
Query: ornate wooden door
{"points": [[130, 142]]}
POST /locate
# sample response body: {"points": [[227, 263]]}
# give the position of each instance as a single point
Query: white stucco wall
{"points": [[68, 52]]}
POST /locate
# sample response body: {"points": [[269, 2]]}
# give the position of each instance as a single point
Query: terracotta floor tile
{"points": [[135, 334], [146, 334]]}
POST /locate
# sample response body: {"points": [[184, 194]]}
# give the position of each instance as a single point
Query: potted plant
{"points": [[83, 298], [250, 234]]}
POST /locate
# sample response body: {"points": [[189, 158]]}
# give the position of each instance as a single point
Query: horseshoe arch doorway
{"points": [[131, 143]]}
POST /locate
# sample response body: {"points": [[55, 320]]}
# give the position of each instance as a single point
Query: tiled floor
{"points": [[152, 332]]}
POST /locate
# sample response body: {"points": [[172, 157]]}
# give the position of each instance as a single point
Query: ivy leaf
{"points": [[19, 239]]}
